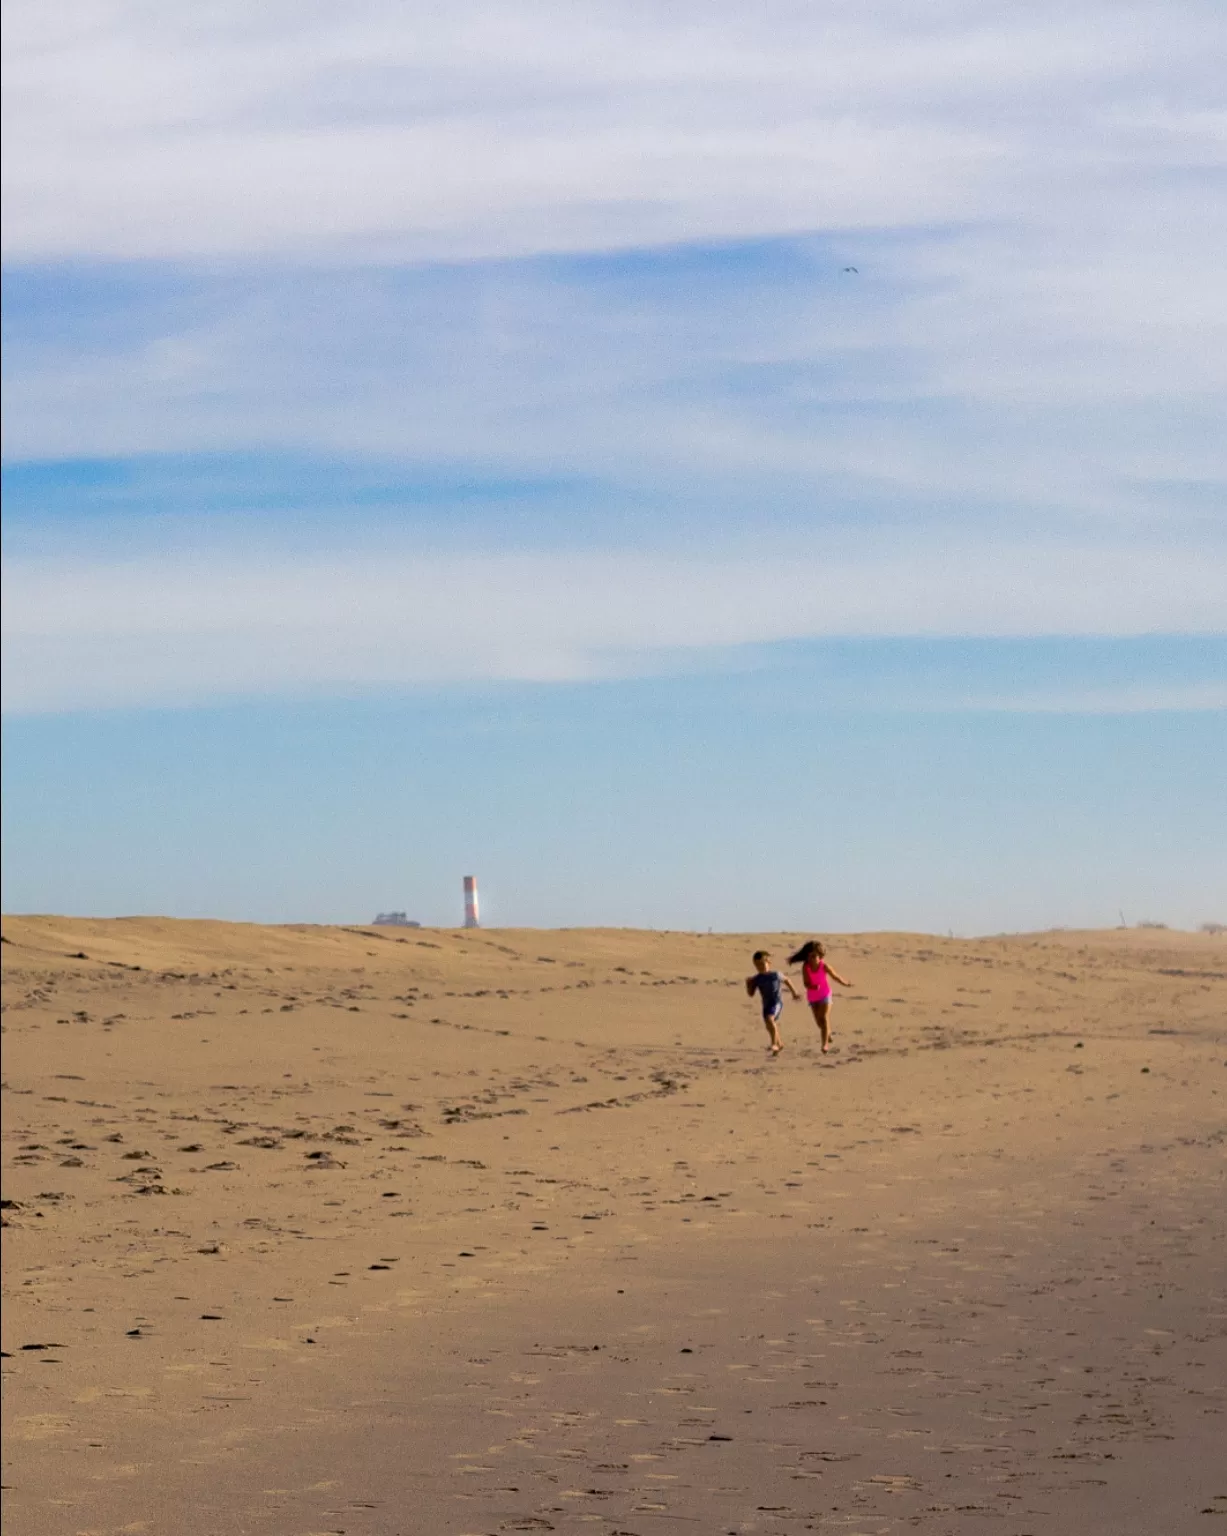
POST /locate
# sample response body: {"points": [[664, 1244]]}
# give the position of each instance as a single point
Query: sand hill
{"points": [[387, 1231]]}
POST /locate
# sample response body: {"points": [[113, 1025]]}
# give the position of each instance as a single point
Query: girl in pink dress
{"points": [[818, 976]]}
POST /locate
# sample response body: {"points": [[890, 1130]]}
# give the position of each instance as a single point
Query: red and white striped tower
{"points": [[471, 919]]}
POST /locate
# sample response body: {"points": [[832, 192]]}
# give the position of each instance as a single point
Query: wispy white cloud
{"points": [[163, 631], [338, 227], [1028, 196], [972, 369], [477, 129]]}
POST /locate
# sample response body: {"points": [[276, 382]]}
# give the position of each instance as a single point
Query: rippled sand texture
{"points": [[338, 1230]]}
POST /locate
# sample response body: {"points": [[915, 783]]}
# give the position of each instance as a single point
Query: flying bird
{"points": [[851, 269]]}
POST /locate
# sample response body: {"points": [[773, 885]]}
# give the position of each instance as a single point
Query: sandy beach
{"points": [[394, 1232]]}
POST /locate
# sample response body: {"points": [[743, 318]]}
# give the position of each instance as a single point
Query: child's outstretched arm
{"points": [[787, 980], [750, 984], [835, 976]]}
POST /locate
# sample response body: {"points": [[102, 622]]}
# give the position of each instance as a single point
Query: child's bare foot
{"points": [[776, 1048], [826, 1044]]}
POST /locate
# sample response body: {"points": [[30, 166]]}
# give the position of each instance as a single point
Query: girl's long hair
{"points": [[806, 953]]}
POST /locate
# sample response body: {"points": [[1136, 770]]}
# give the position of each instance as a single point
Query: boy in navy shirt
{"points": [[770, 986]]}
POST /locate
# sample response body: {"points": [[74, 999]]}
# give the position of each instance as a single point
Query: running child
{"points": [[818, 976], [770, 986]]}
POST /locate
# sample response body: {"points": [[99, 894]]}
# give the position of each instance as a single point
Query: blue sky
{"points": [[619, 452]]}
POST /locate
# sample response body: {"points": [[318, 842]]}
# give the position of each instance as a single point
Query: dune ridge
{"points": [[380, 1230]]}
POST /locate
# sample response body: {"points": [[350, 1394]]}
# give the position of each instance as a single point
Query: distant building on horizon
{"points": [[394, 920], [471, 918]]}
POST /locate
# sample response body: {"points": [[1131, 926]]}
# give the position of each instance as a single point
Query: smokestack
{"points": [[471, 919]]}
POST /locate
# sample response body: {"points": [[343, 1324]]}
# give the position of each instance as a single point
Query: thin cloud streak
{"points": [[968, 366], [166, 632], [406, 132], [1024, 330]]}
